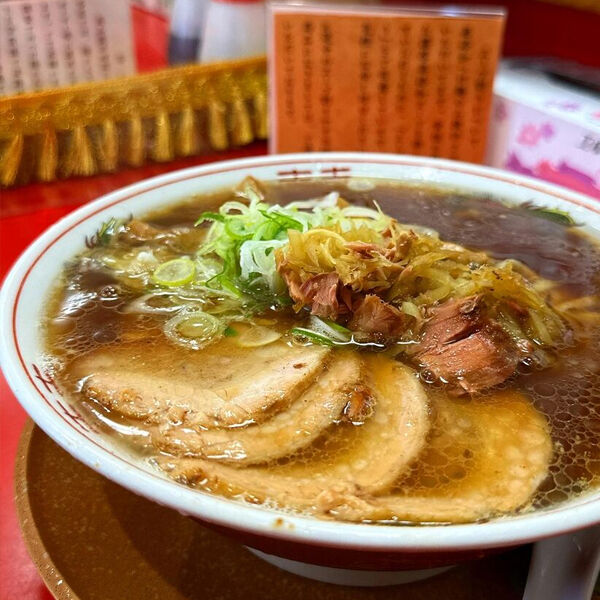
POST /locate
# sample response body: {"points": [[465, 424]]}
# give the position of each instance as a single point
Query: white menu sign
{"points": [[52, 43]]}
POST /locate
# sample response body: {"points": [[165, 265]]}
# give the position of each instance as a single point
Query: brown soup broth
{"points": [[87, 311]]}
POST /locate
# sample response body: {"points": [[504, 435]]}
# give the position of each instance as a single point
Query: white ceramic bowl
{"points": [[290, 541]]}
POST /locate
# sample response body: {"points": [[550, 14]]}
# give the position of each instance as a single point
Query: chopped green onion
{"points": [[230, 332], [244, 237], [257, 335], [334, 332], [325, 332], [210, 216], [553, 214], [107, 230], [311, 336], [237, 229], [194, 330], [228, 285], [283, 221], [336, 326], [176, 272]]}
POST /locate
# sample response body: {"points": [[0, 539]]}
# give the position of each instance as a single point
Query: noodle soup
{"points": [[363, 351]]}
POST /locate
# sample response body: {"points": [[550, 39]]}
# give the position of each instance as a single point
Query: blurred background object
{"points": [[404, 79], [90, 40], [150, 37], [105, 126], [559, 28], [47, 43], [187, 20], [545, 126], [233, 29]]}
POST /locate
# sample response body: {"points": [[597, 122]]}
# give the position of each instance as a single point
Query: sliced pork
{"points": [[485, 458], [377, 453], [217, 387], [320, 293], [479, 361], [451, 321], [337, 394], [466, 349], [375, 316]]}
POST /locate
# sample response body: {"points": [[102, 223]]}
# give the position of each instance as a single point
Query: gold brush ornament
{"points": [[103, 126]]}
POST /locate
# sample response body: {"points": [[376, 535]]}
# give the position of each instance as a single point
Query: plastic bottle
{"points": [[187, 19], [233, 29]]}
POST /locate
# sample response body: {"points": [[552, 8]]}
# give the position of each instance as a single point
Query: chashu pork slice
{"points": [[219, 386], [350, 460], [486, 458], [287, 431]]}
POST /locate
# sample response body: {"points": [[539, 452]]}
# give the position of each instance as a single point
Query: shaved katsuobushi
{"points": [[364, 350]]}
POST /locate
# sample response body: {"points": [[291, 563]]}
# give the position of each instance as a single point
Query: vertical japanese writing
{"points": [[326, 48], [68, 57], [84, 49], [30, 46], [460, 90], [383, 88], [13, 51], [102, 44], [363, 80], [401, 87], [481, 84], [365, 72], [307, 83], [421, 86], [51, 43], [289, 88], [46, 34], [3, 64], [441, 91]]}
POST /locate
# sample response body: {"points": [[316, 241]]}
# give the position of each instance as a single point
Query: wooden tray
{"points": [[93, 540]]}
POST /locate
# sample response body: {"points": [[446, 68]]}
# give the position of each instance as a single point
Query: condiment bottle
{"points": [[233, 29], [187, 18]]}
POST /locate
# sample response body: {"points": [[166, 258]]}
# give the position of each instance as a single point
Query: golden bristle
{"points": [[48, 156], [217, 128], [11, 160], [79, 159], [105, 125], [108, 151], [241, 127], [135, 146], [162, 149], [187, 134], [261, 121]]}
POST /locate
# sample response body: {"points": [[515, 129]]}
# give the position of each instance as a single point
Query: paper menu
{"points": [[365, 78], [52, 43]]}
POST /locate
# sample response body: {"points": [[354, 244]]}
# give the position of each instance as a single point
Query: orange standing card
{"points": [[381, 79]]}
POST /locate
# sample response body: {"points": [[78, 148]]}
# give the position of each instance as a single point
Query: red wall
{"points": [[543, 29]]}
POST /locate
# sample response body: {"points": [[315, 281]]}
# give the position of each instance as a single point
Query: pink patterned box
{"points": [[545, 129]]}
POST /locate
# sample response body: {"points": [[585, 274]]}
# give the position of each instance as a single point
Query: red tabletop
{"points": [[25, 213]]}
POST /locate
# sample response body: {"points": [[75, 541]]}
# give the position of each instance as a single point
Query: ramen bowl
{"points": [[355, 554]]}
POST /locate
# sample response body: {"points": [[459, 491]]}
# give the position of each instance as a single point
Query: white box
{"points": [[545, 129]]}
